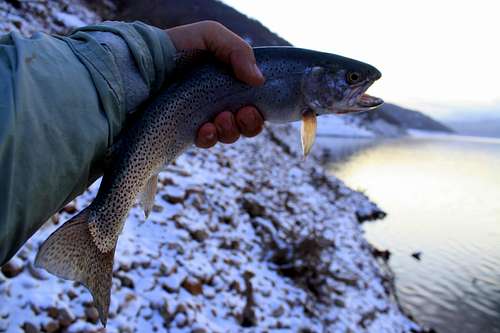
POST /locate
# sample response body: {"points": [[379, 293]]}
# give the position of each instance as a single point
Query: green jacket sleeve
{"points": [[62, 103]]}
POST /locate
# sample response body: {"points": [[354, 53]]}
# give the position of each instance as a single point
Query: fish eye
{"points": [[353, 77]]}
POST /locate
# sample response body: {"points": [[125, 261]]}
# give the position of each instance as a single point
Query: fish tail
{"points": [[70, 253]]}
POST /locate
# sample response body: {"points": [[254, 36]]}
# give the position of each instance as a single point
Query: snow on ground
{"points": [[242, 238], [54, 16]]}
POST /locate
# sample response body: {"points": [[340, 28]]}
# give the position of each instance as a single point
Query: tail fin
{"points": [[70, 253]]}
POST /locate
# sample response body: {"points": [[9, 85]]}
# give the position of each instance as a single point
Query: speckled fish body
{"points": [[300, 84]]}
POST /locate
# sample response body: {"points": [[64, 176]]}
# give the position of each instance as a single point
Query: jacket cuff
{"points": [[151, 49]]}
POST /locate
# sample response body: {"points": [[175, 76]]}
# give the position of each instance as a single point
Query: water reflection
{"points": [[442, 196]]}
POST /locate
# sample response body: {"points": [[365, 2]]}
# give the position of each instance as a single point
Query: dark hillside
{"points": [[406, 118], [168, 13]]}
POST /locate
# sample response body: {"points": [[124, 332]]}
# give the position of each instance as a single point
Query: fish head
{"points": [[337, 85]]}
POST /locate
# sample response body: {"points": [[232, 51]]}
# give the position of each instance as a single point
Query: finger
{"points": [[249, 121], [207, 136], [232, 49], [226, 45], [227, 131]]}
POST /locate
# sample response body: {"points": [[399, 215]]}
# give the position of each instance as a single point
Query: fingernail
{"points": [[210, 136]]}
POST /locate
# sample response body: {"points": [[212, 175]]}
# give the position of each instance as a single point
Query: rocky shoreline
{"points": [[242, 238]]}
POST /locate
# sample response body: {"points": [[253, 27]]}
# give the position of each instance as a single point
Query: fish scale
{"points": [[300, 84]]}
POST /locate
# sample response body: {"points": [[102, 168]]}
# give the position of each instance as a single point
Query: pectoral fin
{"points": [[147, 198], [308, 131]]}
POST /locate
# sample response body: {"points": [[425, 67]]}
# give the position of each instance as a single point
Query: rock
{"points": [[384, 254], [199, 330], [192, 285], [123, 329], [235, 285], [126, 281], [70, 208], [278, 312], [180, 320], [157, 208], [37, 273], [30, 328], [51, 327], [66, 317], [173, 282], [55, 219], [417, 255], [174, 194], [352, 282], [376, 214], [92, 314], [53, 312], [167, 181], [339, 303], [199, 235], [13, 268], [253, 208], [72, 294], [36, 310]]}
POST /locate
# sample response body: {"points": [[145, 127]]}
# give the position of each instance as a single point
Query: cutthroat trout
{"points": [[300, 84]]}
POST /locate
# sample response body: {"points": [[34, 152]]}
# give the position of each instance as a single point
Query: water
{"points": [[442, 196]]}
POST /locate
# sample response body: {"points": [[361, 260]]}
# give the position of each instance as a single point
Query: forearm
{"points": [[63, 100]]}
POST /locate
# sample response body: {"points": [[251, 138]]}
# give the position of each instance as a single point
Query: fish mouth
{"points": [[359, 101], [368, 102]]}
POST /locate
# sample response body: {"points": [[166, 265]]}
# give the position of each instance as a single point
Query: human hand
{"points": [[229, 48]]}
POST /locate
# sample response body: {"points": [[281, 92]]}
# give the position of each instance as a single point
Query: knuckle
{"points": [[247, 47], [212, 25]]}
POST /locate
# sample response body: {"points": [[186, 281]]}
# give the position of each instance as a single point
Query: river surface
{"points": [[442, 196]]}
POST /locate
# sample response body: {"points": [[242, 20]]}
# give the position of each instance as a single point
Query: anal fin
{"points": [[70, 253], [147, 197]]}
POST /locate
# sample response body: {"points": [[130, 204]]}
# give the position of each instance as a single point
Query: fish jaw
{"points": [[364, 102], [359, 101]]}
